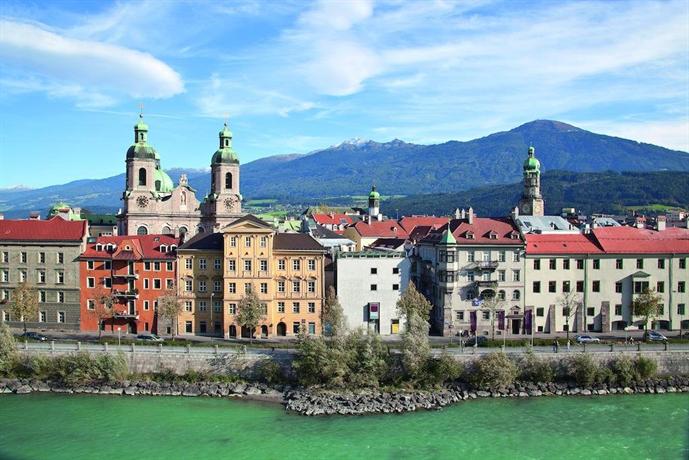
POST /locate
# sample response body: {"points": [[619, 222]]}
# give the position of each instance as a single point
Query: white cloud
{"points": [[81, 68]]}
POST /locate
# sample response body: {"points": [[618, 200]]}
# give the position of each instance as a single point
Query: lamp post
{"points": [[211, 322], [119, 330]]}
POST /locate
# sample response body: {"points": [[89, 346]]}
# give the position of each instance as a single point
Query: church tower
{"points": [[224, 202], [374, 203], [531, 203]]}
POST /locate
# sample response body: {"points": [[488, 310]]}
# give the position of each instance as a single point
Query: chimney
{"points": [[463, 214], [2, 216], [639, 223], [457, 213], [35, 215], [470, 215], [662, 223], [515, 213]]}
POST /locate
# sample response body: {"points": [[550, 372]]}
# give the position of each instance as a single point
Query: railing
{"points": [[484, 283], [486, 264], [128, 294], [134, 276]]}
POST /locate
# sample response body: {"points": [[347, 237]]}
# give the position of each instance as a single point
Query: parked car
{"points": [[471, 341], [33, 336], [587, 339], [149, 338], [654, 336]]}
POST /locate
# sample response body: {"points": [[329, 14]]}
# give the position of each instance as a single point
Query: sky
{"points": [[293, 76]]}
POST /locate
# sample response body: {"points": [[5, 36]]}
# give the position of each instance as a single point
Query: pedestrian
{"points": [[568, 345], [554, 346], [557, 346]]}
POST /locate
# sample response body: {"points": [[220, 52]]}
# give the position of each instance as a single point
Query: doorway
{"points": [[233, 331], [282, 329], [264, 332], [516, 326]]}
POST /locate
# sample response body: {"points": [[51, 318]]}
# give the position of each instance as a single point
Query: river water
{"points": [[49, 426]]}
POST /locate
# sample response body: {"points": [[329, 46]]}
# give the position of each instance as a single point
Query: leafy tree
{"points": [[647, 305], [332, 315], [570, 303], [416, 349], [104, 307], [250, 313], [412, 301], [24, 302], [8, 350], [492, 304], [170, 307]]}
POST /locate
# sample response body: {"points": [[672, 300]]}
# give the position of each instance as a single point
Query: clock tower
{"points": [[224, 202], [531, 203]]}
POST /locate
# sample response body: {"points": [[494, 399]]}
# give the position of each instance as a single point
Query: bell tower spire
{"points": [[531, 203]]}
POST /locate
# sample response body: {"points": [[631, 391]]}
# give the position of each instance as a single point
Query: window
{"points": [[640, 286], [231, 265], [142, 230], [188, 285], [502, 256], [536, 264], [683, 263], [232, 288], [596, 286], [459, 315], [296, 286], [395, 270], [217, 306], [618, 287], [281, 286], [146, 283], [471, 256], [5, 257], [660, 286], [42, 316], [147, 305], [42, 297], [296, 265], [169, 266], [295, 327], [202, 263], [515, 275], [501, 295], [661, 264], [22, 257], [281, 264], [217, 264], [60, 297], [41, 257], [264, 308], [22, 276], [565, 264], [661, 309], [312, 307], [580, 286], [247, 288], [281, 307], [247, 265], [60, 277], [540, 311], [515, 295], [142, 176], [566, 286], [485, 314], [552, 286], [486, 256], [618, 309], [553, 264], [41, 276], [395, 287], [233, 241], [311, 286], [295, 307], [680, 308], [247, 241], [202, 327], [90, 265], [91, 282], [374, 287], [157, 284], [60, 259], [107, 282], [147, 265], [60, 316], [263, 242], [580, 264], [639, 263], [188, 263], [156, 266], [264, 288], [217, 285], [501, 275], [590, 311], [515, 256], [5, 276], [170, 283], [203, 306], [312, 327], [619, 264], [596, 264], [228, 180], [188, 327], [681, 286], [107, 265], [263, 265], [232, 308], [470, 276]]}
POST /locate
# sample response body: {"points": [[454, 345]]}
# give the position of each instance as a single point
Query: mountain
{"points": [[606, 192], [397, 167]]}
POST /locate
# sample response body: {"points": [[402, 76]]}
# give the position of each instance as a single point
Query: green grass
{"points": [[654, 207], [261, 202]]}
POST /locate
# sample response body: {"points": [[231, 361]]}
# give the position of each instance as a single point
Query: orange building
{"points": [[134, 271]]}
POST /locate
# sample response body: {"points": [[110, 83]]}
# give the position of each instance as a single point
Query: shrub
{"points": [[492, 371], [31, 367], [624, 371], [8, 350], [605, 375], [365, 358], [441, 370], [583, 369], [533, 369], [268, 371], [111, 368], [646, 368]]}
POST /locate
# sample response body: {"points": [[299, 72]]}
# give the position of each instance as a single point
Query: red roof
{"points": [[483, 230], [54, 229], [565, 243], [332, 219], [131, 247], [380, 229], [409, 223], [632, 240]]}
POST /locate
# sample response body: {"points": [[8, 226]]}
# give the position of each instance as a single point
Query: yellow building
{"points": [[285, 270]]}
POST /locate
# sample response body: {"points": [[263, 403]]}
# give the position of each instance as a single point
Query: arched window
{"points": [[501, 295], [200, 229], [157, 186], [228, 180], [167, 230], [142, 230], [183, 230], [142, 176], [515, 295]]}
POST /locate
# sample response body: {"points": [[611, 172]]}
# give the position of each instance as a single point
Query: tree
{"points": [[570, 303], [332, 315], [647, 305], [8, 350], [250, 313], [416, 349], [104, 307], [169, 307], [24, 302], [413, 301], [492, 304]]}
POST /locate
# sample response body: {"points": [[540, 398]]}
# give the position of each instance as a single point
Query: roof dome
{"points": [[225, 153], [140, 125], [160, 176], [531, 163], [374, 195], [142, 150]]}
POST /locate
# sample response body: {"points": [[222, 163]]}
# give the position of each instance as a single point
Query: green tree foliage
{"points": [[491, 371], [413, 301], [250, 312], [647, 305], [534, 369], [646, 368], [416, 349], [170, 307], [440, 370], [8, 349], [24, 303], [332, 316], [583, 369], [624, 370]]}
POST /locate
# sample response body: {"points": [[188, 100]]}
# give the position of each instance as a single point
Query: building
{"points": [[154, 205], [134, 271], [531, 202], [44, 254], [369, 284], [285, 270], [465, 262], [364, 233]]}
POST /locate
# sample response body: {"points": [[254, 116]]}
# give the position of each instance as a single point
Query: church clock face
{"points": [[526, 208], [142, 201], [230, 202]]}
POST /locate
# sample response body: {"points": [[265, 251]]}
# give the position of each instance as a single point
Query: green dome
{"points": [[141, 126], [225, 155], [142, 151], [531, 163], [374, 195], [59, 205], [161, 176]]}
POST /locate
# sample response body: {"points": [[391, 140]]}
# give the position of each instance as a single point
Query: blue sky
{"points": [[294, 76]]}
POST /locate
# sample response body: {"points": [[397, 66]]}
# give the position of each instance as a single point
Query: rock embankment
{"points": [[321, 402], [254, 391]]}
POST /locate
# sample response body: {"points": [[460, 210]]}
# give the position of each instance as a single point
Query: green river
{"points": [[49, 426]]}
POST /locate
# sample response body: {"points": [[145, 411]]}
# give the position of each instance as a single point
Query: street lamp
{"points": [[211, 324], [119, 330]]}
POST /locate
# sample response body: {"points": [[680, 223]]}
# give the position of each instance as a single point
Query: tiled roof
{"points": [[409, 223], [323, 233], [332, 219], [387, 243], [381, 229], [564, 243], [632, 240], [140, 247], [54, 229], [205, 241], [296, 242], [483, 230]]}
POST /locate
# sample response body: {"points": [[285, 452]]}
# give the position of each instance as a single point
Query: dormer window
{"points": [[172, 247], [492, 235], [99, 247], [163, 248], [469, 235]]}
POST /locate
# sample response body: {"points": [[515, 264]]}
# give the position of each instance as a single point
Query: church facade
{"points": [[154, 205]]}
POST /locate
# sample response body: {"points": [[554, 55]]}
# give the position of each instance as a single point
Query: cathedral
{"points": [[153, 204]]}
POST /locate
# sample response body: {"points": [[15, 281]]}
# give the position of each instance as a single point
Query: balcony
{"points": [[127, 294], [129, 276], [487, 265], [126, 315], [486, 284]]}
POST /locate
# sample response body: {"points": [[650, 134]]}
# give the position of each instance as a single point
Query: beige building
{"points": [[285, 270]]}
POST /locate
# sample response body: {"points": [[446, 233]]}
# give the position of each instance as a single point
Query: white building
{"points": [[369, 284]]}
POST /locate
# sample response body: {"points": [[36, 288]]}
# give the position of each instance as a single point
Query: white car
{"points": [[587, 339]]}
